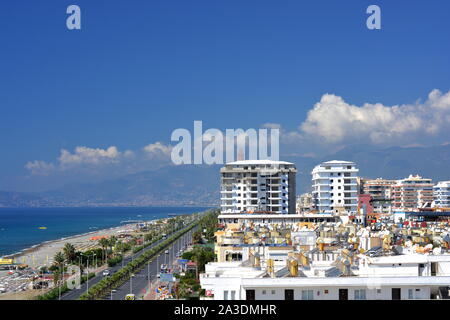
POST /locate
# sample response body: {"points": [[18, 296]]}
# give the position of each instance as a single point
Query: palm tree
{"points": [[58, 260], [112, 242], [103, 242], [69, 252]]}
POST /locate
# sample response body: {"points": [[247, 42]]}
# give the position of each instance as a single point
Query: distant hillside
{"points": [[394, 163], [168, 186], [199, 185]]}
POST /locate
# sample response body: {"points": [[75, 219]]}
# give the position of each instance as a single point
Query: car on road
{"points": [[130, 296], [106, 273], [166, 252]]}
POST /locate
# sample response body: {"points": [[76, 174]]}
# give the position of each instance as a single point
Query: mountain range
{"points": [[189, 185]]}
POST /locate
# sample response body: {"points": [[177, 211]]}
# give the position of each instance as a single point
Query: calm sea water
{"points": [[19, 227]]}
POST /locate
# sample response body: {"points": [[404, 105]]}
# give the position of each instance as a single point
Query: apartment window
{"points": [[233, 295], [272, 292], [360, 294], [225, 295], [331, 180], [410, 294], [264, 292], [307, 295], [378, 291]]}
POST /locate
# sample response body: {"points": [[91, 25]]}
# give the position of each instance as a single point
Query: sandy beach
{"points": [[42, 254]]}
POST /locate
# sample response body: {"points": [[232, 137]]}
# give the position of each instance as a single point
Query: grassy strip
{"points": [[54, 293]]}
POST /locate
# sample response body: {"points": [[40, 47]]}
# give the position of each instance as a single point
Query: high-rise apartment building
{"points": [[263, 186], [335, 187], [441, 194], [381, 193], [412, 193]]}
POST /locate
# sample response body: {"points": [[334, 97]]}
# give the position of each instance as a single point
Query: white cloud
{"points": [[38, 167], [157, 148], [95, 159], [89, 156], [334, 120]]}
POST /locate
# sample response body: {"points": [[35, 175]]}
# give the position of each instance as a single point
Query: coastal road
{"points": [[76, 293], [140, 282]]}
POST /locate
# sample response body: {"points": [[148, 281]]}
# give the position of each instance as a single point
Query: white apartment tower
{"points": [[262, 186], [441, 194], [335, 187]]}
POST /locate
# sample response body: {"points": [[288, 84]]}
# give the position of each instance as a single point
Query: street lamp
{"points": [[149, 276], [112, 291], [61, 281], [131, 283]]}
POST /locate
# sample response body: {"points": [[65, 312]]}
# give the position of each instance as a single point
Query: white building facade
{"points": [[441, 194], [412, 193], [263, 186], [335, 187], [404, 277]]}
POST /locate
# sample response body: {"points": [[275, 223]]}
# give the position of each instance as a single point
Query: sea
{"points": [[21, 228]]}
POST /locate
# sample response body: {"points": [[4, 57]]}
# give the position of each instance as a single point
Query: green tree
{"points": [[112, 242], [197, 237], [104, 243], [58, 261], [69, 252]]}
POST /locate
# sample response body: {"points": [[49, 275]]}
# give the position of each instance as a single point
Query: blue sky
{"points": [[140, 69]]}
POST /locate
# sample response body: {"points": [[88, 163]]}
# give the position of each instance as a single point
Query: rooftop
{"points": [[258, 162]]}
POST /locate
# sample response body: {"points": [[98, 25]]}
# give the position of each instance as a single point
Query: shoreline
{"points": [[42, 253], [41, 244], [31, 248]]}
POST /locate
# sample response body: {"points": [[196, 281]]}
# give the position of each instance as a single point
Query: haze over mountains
{"points": [[187, 185]]}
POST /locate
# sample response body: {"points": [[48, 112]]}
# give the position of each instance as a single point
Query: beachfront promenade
{"points": [[139, 282]]}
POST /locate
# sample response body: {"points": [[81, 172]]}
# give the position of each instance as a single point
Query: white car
{"points": [[167, 252], [106, 273]]}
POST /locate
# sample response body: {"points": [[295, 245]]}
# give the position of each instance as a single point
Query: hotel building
{"points": [[258, 186], [412, 193], [335, 187]]}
